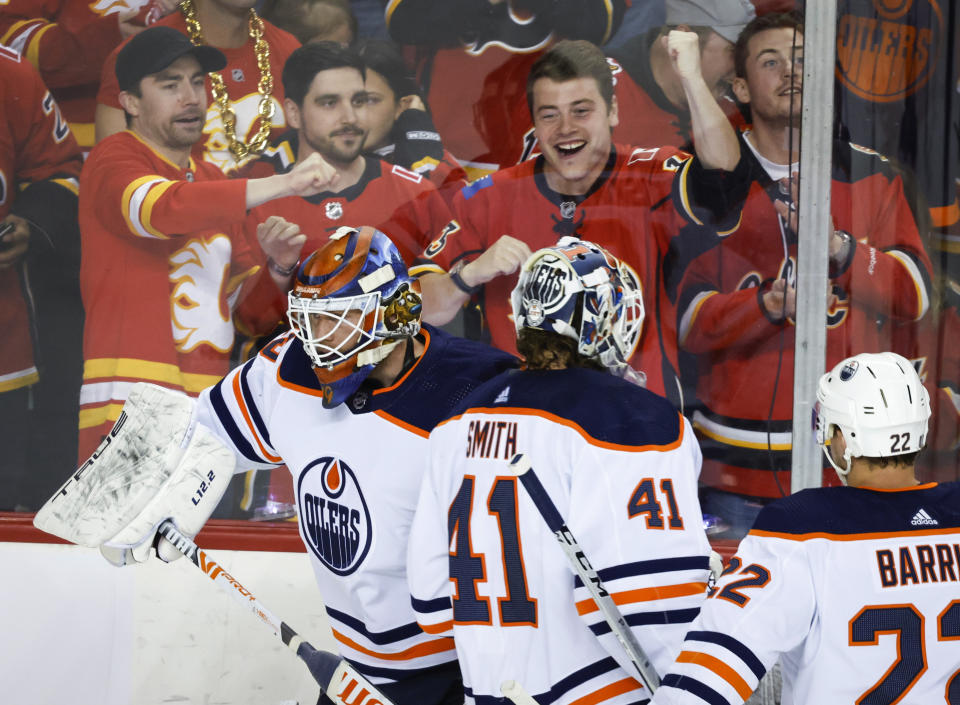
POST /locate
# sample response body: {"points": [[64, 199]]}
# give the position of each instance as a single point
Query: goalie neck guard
{"points": [[879, 404], [579, 290], [351, 303]]}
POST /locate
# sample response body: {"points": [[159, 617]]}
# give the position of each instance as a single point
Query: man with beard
{"points": [[326, 104], [157, 238]]}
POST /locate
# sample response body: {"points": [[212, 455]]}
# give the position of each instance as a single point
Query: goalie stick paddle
{"points": [[521, 467], [338, 679]]}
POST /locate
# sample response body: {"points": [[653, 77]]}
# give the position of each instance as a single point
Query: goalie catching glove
{"points": [[155, 464]]}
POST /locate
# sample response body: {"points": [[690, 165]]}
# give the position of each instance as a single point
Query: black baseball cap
{"points": [[155, 48]]}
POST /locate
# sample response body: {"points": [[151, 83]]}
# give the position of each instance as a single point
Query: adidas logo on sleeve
{"points": [[921, 518]]}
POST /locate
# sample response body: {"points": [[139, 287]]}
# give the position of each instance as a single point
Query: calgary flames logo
{"points": [[216, 147], [199, 311], [888, 49], [109, 7]]}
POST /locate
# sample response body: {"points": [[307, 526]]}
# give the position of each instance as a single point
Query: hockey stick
{"points": [[521, 467], [516, 693], [338, 679]]}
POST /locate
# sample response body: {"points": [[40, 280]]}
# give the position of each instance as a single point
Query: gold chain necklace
{"points": [[265, 108]]}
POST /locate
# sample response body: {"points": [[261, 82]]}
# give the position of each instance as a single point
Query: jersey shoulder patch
{"points": [[403, 173], [474, 187]]}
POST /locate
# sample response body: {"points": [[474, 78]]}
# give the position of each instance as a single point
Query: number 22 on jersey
{"points": [[467, 568]]}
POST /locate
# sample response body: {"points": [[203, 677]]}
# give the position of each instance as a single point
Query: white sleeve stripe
{"points": [[691, 313], [136, 203], [913, 270]]}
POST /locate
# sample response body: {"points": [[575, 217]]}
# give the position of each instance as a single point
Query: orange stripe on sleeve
{"points": [[441, 628], [645, 595], [718, 667], [238, 393], [427, 648], [608, 691]]}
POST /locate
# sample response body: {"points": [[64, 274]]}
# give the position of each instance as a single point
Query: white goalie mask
{"points": [[879, 404], [579, 290]]}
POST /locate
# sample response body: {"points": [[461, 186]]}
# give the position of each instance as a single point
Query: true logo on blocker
{"points": [[334, 518]]}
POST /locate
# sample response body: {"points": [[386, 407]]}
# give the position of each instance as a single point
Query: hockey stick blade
{"points": [[338, 679], [581, 566]]}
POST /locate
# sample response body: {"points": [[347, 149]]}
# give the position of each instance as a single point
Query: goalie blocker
{"points": [[156, 464]]}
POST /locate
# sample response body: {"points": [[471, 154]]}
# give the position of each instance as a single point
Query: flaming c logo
{"points": [[888, 49]]}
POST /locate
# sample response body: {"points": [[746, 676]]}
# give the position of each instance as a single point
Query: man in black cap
{"points": [[166, 259]]}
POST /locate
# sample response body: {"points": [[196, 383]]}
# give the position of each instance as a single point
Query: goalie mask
{"points": [[879, 404], [579, 290], [351, 303]]}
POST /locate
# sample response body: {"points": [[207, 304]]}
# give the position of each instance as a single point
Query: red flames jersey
{"points": [[647, 118], [397, 201], [634, 210], [745, 359], [402, 204], [35, 146], [473, 60], [159, 275], [68, 41], [240, 77]]}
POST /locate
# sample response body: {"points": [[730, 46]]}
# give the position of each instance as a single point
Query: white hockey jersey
{"points": [[621, 466], [356, 472], [858, 589]]}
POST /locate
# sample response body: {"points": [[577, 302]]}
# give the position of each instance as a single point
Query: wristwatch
{"points": [[841, 256], [458, 282]]}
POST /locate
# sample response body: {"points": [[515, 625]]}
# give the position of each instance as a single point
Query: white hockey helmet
{"points": [[579, 290], [879, 404]]}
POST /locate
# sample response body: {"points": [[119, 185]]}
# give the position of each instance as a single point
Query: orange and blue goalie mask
{"points": [[351, 303]]}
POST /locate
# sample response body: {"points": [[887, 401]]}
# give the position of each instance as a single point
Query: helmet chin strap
{"points": [[372, 356], [841, 473]]}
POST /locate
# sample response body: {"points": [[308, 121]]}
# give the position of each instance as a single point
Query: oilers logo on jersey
{"points": [[335, 520]]}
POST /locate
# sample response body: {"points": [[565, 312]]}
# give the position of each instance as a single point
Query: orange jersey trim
{"points": [[925, 486], [238, 394], [718, 667], [852, 537], [521, 411], [400, 381], [428, 648], [608, 691], [440, 628], [402, 424], [945, 215], [645, 595]]}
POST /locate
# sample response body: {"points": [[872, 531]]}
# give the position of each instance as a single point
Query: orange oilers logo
{"points": [[888, 49], [334, 519]]}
